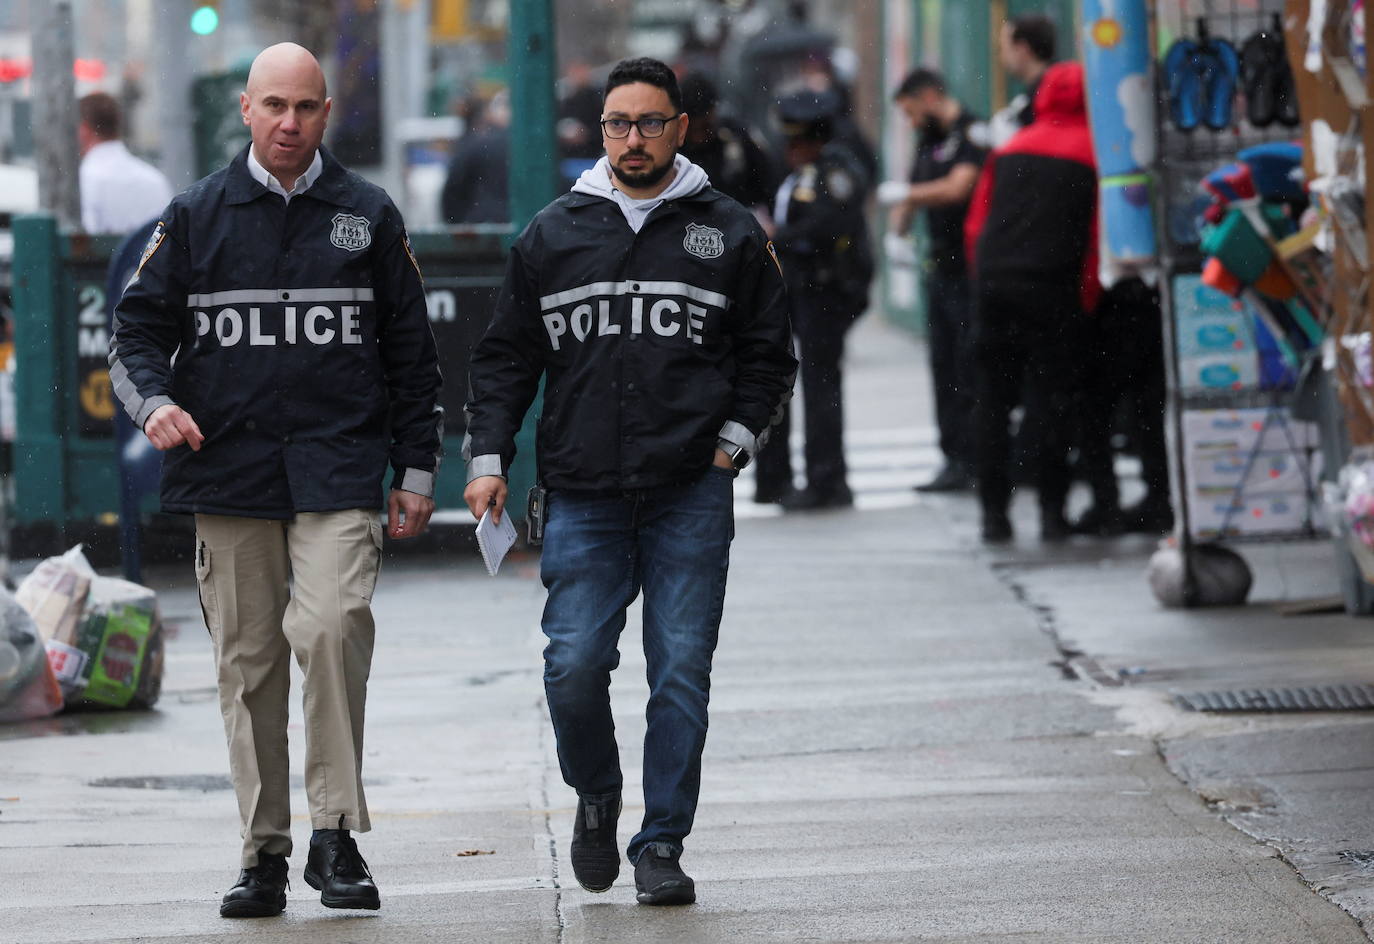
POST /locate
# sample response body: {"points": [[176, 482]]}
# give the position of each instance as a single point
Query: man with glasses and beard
{"points": [[654, 308]]}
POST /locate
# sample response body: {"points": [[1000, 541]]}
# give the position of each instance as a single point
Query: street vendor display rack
{"points": [[1244, 466]]}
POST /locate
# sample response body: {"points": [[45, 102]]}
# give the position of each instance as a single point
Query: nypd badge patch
{"points": [[154, 241], [773, 254], [350, 232], [704, 242]]}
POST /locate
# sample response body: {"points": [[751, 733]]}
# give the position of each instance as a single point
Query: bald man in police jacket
{"points": [[275, 344]]}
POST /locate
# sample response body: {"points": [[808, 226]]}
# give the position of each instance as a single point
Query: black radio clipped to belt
{"points": [[534, 515]]}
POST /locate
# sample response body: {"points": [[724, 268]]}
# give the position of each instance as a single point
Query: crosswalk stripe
{"points": [[884, 464]]}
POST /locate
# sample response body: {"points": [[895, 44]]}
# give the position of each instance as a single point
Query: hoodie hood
{"points": [[1060, 99], [598, 182]]}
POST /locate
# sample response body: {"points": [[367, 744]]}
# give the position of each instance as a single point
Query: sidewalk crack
{"points": [[1074, 664], [545, 726]]}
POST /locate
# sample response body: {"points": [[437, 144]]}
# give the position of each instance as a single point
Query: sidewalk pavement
{"points": [[897, 752]]}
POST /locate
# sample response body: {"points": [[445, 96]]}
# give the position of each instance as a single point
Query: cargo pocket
{"points": [[209, 603], [373, 566]]}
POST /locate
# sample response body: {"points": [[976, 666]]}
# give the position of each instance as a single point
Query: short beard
{"points": [[646, 179]]}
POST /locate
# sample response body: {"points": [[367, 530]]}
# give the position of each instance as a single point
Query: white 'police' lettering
{"points": [[255, 333], [584, 321], [605, 327], [656, 317], [557, 326], [350, 333], [318, 325], [581, 321], [312, 318], [696, 322], [228, 327]]}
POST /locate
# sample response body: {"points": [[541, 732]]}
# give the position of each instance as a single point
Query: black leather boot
{"points": [[337, 870], [260, 891]]}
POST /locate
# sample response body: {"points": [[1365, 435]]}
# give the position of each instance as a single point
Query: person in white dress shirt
{"points": [[119, 192]]}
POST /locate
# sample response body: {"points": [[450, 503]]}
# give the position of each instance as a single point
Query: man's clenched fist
{"points": [[170, 426]]}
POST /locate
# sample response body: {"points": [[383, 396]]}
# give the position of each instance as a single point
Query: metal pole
{"points": [[54, 112], [534, 157], [171, 84]]}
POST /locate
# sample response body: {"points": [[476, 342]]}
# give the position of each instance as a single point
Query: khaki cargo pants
{"points": [[271, 588]]}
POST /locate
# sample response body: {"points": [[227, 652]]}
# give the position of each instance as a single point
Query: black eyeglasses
{"points": [[648, 127]]}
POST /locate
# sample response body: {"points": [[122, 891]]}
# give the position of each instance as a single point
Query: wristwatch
{"points": [[739, 456]]}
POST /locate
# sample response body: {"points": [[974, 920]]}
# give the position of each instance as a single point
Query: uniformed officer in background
{"points": [[822, 239], [304, 365], [734, 161], [949, 153]]}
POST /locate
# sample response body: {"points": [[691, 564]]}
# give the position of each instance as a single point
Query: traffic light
{"points": [[205, 19]]}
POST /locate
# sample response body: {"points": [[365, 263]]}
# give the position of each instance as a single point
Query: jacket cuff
{"points": [[149, 405], [489, 464], [737, 434], [416, 480]]}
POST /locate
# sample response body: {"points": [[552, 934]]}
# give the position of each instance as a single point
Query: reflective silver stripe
{"points": [[739, 435], [479, 466], [439, 435], [418, 481], [150, 406], [123, 387], [266, 296], [633, 287], [778, 411], [584, 291]]}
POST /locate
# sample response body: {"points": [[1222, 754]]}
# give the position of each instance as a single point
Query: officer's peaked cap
{"points": [[809, 114]]}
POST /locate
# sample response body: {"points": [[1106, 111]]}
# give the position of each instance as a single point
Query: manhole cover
{"points": [[1311, 698]]}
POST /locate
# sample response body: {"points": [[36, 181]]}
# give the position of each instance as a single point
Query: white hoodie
{"points": [[598, 182]]}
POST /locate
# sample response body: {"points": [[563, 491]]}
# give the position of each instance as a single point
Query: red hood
{"points": [[1059, 99]]}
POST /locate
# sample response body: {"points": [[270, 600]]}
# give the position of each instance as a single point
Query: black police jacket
{"points": [[824, 241], [654, 344], [295, 334]]}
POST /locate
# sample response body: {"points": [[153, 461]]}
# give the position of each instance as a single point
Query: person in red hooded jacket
{"points": [[1031, 237]]}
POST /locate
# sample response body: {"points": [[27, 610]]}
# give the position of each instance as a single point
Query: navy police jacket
{"points": [[824, 239], [295, 334], [654, 345]]}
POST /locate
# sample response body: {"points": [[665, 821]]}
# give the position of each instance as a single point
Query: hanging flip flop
{"points": [[1286, 89], [1220, 79], [1261, 58], [1183, 83]]}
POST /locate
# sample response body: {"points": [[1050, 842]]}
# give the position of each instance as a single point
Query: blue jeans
{"points": [[599, 551]]}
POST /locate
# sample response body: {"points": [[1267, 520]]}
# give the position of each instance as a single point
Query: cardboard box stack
{"points": [[1216, 339], [1250, 471]]}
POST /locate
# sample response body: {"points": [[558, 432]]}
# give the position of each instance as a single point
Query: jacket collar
{"points": [[577, 199], [331, 187]]}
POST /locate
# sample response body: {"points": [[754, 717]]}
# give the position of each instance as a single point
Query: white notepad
{"points": [[494, 540]]}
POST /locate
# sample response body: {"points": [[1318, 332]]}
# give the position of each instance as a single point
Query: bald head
{"points": [[286, 62], [285, 109]]}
